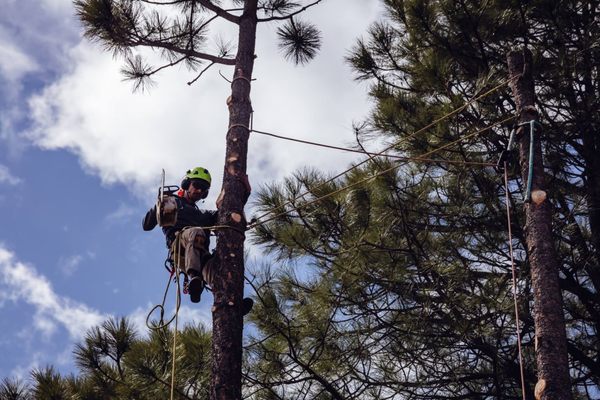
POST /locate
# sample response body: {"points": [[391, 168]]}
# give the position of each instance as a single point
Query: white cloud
{"points": [[24, 283], [23, 371], [45, 325], [69, 265], [7, 177], [14, 62], [121, 214], [127, 138], [64, 7], [120, 136], [191, 315]]}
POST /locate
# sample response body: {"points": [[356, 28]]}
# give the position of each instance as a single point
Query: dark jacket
{"points": [[188, 214]]}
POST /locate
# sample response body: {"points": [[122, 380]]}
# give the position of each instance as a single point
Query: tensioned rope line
{"points": [[401, 158], [258, 223], [174, 351], [161, 324], [514, 279], [177, 256], [446, 116]]}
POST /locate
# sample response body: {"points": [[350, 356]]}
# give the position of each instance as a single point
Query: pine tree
{"points": [[410, 269], [116, 363], [122, 26], [14, 389]]}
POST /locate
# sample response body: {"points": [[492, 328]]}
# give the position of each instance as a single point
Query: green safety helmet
{"points": [[196, 173]]}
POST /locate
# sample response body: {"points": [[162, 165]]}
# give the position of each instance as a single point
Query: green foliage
{"points": [[400, 286], [180, 31], [115, 363], [299, 41], [48, 385], [13, 389], [110, 22]]}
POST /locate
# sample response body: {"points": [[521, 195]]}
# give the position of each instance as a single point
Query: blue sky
{"points": [[81, 155]]}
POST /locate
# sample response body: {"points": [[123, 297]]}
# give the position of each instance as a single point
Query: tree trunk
{"points": [[550, 336], [226, 383]]}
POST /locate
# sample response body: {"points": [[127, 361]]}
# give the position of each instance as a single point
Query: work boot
{"points": [[195, 287], [247, 304]]}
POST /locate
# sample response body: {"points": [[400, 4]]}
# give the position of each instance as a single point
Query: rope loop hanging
{"points": [[175, 271], [241, 77]]}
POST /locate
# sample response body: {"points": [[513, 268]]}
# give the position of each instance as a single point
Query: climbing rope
{"points": [[174, 275], [371, 156], [402, 140], [175, 271], [348, 149], [514, 280], [416, 159], [223, 227], [174, 351], [161, 324]]}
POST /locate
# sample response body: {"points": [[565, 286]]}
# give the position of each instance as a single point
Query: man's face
{"points": [[197, 190]]}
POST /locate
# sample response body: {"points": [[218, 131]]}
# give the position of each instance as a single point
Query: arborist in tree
{"points": [[186, 228]]}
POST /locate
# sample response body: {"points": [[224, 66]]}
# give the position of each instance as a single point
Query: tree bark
{"points": [[229, 283], [550, 335]]}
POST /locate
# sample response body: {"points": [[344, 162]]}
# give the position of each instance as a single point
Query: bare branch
{"points": [[289, 16], [163, 3], [219, 11], [224, 77], [200, 74]]}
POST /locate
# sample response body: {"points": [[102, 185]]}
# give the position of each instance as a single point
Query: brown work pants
{"points": [[192, 241]]}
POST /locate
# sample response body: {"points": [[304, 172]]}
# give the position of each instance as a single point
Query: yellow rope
{"points": [[161, 323], [514, 279], [372, 177], [402, 140], [178, 297]]}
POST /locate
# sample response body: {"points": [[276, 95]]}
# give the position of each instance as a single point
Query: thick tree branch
{"points": [[187, 52], [220, 11]]}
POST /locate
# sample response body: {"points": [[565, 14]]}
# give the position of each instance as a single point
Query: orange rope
{"points": [[514, 281], [404, 139], [343, 188]]}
